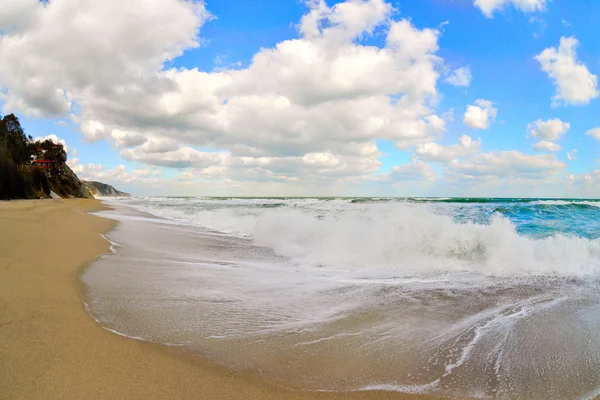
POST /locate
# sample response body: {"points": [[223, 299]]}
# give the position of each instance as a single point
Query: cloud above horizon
{"points": [[480, 115], [322, 82], [575, 84], [313, 109]]}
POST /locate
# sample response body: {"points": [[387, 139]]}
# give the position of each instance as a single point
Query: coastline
{"points": [[51, 348]]}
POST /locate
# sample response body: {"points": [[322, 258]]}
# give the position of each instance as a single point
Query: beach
{"points": [[51, 347]]}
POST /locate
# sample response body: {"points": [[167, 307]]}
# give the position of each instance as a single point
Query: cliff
{"points": [[99, 189], [69, 185], [33, 169]]}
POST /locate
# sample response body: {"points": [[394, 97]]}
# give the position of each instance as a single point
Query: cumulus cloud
{"points": [[157, 153], [595, 133], [415, 170], [488, 7], [591, 178], [92, 130], [314, 104], [574, 83], [308, 109], [460, 77], [358, 160], [480, 115], [55, 139], [544, 145], [508, 164], [127, 139], [434, 152], [104, 54], [550, 130], [119, 175]]}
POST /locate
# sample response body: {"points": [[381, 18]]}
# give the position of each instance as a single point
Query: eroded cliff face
{"points": [[61, 183], [99, 189]]}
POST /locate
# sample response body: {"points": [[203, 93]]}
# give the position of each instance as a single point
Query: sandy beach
{"points": [[51, 348]]}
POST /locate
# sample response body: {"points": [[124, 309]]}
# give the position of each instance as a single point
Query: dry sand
{"points": [[50, 348]]}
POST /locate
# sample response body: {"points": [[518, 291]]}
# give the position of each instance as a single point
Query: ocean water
{"points": [[464, 298]]}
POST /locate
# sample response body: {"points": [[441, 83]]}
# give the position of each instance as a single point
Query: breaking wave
{"points": [[402, 237]]}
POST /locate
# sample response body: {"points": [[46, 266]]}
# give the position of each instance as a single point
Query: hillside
{"points": [[99, 189], [67, 184], [33, 169], [30, 169]]}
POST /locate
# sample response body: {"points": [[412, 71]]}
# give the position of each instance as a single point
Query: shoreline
{"points": [[52, 348]]}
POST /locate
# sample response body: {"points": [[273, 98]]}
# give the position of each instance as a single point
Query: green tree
{"points": [[13, 139]]}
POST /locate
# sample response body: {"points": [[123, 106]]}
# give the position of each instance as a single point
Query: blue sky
{"points": [[356, 97]]}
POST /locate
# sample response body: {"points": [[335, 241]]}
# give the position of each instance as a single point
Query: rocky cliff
{"points": [[66, 184], [99, 189]]}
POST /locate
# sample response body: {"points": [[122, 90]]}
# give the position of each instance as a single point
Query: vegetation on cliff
{"points": [[31, 168]]}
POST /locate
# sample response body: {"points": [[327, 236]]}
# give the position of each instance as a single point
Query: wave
{"points": [[415, 240], [575, 203], [401, 238]]}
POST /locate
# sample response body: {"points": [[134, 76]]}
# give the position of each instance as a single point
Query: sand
{"points": [[51, 348]]}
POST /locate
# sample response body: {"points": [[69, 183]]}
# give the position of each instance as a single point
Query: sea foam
{"points": [[402, 237]]}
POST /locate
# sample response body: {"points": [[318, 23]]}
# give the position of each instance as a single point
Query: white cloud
{"points": [[92, 130], [105, 54], [119, 175], [55, 139], [480, 115], [508, 165], [416, 170], [460, 77], [127, 139], [544, 145], [488, 7], [572, 155], [17, 14], [595, 133], [309, 109], [591, 178], [434, 152], [180, 157], [357, 160], [312, 106], [574, 83], [550, 130]]}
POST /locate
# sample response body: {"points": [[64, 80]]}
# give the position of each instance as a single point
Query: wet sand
{"points": [[51, 348]]}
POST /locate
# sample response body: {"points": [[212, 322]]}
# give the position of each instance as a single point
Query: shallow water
{"points": [[494, 299]]}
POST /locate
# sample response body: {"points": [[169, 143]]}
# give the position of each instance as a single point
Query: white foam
{"points": [[409, 389], [401, 237], [592, 203], [113, 245]]}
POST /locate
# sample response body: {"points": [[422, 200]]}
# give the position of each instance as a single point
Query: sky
{"points": [[487, 98]]}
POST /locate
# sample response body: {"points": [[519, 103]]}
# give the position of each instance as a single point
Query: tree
{"points": [[13, 139], [54, 152]]}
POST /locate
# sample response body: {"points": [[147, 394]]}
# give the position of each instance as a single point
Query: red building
{"points": [[43, 164]]}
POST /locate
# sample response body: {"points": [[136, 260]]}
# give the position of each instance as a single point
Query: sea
{"points": [[455, 297]]}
